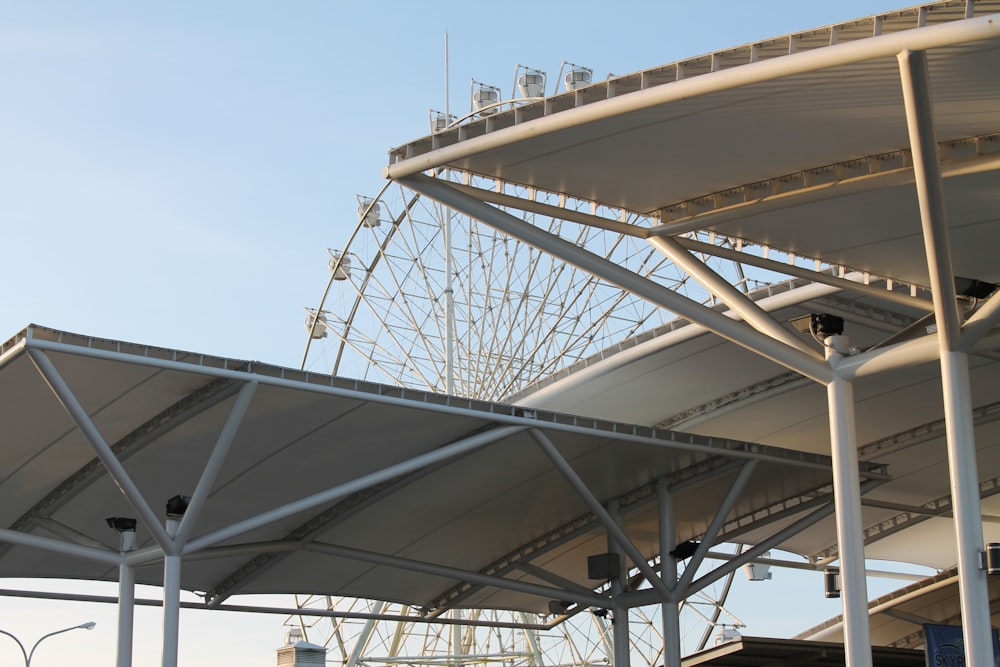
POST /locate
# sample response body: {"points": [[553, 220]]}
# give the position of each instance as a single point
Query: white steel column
{"points": [[669, 611], [959, 425], [126, 594], [619, 625], [847, 498], [171, 600], [126, 614]]}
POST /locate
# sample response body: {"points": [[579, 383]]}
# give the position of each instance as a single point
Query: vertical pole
{"points": [[619, 621], [449, 317], [449, 300], [670, 610], [959, 426], [126, 596], [171, 600], [847, 499], [126, 614]]}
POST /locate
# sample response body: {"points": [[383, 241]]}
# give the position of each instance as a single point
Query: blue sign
{"points": [[945, 646]]}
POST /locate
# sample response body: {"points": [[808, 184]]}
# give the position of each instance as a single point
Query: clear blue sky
{"points": [[172, 173]]}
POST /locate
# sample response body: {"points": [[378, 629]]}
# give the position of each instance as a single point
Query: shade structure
{"points": [[860, 158], [335, 486], [788, 148]]}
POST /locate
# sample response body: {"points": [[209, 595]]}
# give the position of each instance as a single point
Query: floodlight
{"points": [[993, 558], [831, 580], [684, 550], [824, 325], [973, 288], [177, 505], [603, 566], [558, 607], [121, 523]]}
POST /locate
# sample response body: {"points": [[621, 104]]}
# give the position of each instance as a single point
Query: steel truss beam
{"points": [[909, 516], [261, 562], [284, 611], [176, 415], [615, 531], [545, 592], [972, 155], [807, 364], [730, 248], [698, 473]]}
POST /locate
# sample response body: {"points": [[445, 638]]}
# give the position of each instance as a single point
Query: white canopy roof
{"points": [[337, 486]]}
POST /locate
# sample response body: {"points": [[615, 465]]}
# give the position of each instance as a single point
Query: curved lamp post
{"points": [[28, 654]]}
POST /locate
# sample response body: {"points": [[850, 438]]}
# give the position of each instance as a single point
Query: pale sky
{"points": [[172, 174]]}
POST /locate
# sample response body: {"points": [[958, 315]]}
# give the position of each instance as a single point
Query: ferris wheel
{"points": [[366, 632], [421, 296]]}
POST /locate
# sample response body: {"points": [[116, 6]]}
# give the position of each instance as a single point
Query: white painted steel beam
{"points": [[634, 354], [330, 495], [595, 506], [850, 526], [261, 609], [115, 468], [845, 284], [734, 449], [736, 332], [171, 610], [647, 597], [544, 592], [985, 319], [819, 193], [903, 355], [58, 546], [960, 431], [733, 298], [206, 482], [557, 212], [670, 611], [708, 539], [126, 615], [772, 542], [620, 620]]}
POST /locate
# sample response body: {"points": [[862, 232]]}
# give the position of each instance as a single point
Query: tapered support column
{"points": [[959, 427], [847, 498], [670, 611]]}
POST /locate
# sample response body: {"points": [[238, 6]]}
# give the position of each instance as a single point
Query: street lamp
{"points": [[89, 625]]}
